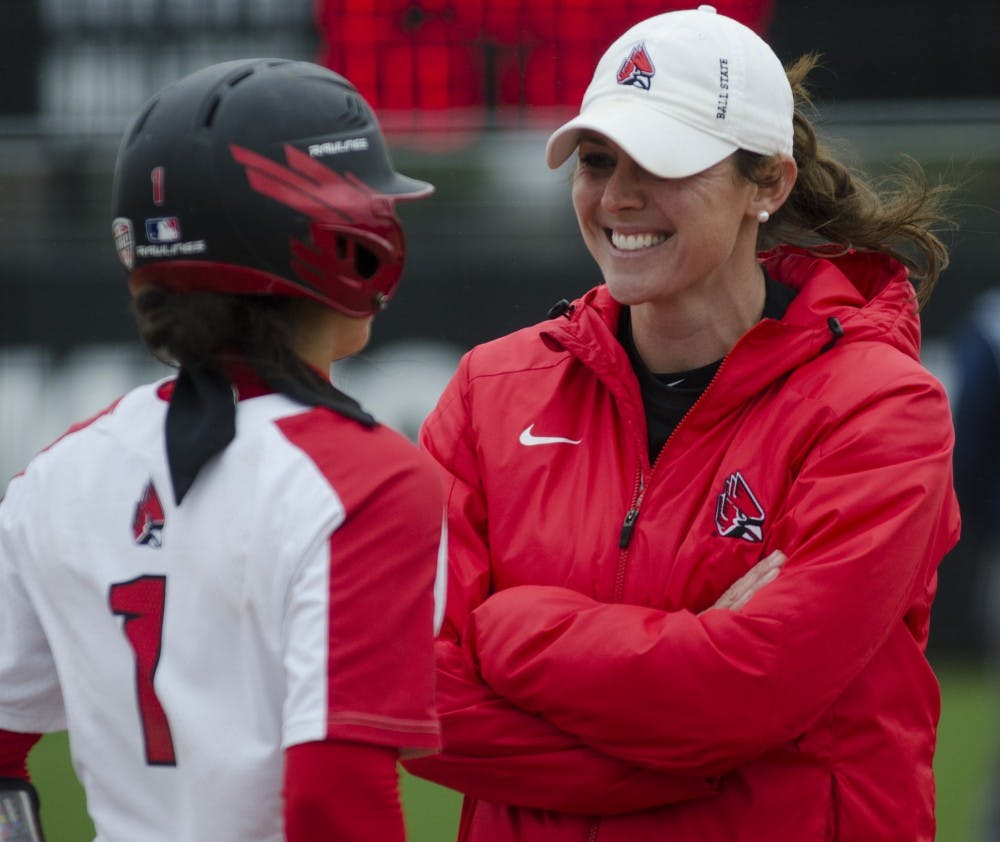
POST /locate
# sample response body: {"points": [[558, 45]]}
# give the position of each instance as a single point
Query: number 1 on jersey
{"points": [[140, 601]]}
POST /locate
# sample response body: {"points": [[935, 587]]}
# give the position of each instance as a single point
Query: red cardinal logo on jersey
{"points": [[148, 520], [637, 69], [737, 512]]}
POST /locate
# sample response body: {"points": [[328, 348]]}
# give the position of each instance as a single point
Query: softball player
{"points": [[224, 584]]}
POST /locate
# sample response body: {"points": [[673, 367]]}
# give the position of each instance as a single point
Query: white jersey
{"points": [[289, 599]]}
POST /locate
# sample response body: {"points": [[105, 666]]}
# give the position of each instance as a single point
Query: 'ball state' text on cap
{"points": [[720, 108]]}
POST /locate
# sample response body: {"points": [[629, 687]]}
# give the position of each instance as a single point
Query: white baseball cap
{"points": [[681, 91]]}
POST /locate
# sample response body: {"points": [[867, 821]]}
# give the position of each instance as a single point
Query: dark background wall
{"points": [[497, 244]]}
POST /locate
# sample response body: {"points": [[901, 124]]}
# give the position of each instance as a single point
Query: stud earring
{"points": [[763, 216]]}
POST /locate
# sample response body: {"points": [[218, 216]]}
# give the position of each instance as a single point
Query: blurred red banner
{"points": [[458, 66]]}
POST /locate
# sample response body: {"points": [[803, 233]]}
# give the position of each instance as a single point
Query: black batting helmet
{"points": [[262, 176]]}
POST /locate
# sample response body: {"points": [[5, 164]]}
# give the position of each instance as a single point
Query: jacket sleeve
{"points": [[492, 749], [867, 519]]}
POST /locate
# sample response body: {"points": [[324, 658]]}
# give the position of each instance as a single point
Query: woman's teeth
{"points": [[634, 242]]}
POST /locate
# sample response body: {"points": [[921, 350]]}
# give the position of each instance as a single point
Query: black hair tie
{"points": [[201, 421], [201, 418]]}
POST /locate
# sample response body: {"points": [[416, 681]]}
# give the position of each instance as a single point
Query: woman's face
{"points": [[657, 238]]}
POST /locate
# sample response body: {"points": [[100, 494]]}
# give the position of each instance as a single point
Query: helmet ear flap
{"points": [[356, 264]]}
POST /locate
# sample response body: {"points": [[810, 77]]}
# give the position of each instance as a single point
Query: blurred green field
{"points": [[967, 749]]}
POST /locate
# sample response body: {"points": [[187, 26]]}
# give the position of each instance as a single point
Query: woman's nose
{"points": [[623, 190]]}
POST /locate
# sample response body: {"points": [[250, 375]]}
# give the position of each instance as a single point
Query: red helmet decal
{"points": [[637, 69], [310, 187], [346, 215]]}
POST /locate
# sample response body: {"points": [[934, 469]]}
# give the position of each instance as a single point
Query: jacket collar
{"points": [[868, 295]]}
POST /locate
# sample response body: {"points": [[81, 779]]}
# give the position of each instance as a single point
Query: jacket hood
{"points": [[841, 299], [869, 294]]}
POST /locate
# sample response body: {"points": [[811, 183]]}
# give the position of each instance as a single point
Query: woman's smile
{"points": [[632, 241]]}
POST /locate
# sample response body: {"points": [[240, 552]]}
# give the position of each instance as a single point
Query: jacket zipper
{"points": [[632, 515], [628, 527], [625, 536]]}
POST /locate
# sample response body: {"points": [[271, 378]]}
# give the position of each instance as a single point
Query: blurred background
{"points": [[467, 91]]}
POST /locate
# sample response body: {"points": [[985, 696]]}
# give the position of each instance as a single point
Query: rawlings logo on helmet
{"points": [[637, 69]]}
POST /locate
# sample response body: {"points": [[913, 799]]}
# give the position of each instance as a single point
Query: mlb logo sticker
{"points": [[163, 229], [121, 230], [637, 69]]}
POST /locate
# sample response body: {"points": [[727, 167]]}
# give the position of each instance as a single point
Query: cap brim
{"points": [[657, 142]]}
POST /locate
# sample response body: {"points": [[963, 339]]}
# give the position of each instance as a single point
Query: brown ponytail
{"points": [[832, 204], [206, 329]]}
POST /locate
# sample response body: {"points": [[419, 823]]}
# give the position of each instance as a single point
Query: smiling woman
{"points": [[701, 612]]}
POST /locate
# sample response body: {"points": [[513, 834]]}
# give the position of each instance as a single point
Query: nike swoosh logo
{"points": [[529, 440]]}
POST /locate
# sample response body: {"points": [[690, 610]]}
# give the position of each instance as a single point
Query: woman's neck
{"points": [[699, 327]]}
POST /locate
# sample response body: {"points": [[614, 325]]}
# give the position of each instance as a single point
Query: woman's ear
{"points": [[772, 192]]}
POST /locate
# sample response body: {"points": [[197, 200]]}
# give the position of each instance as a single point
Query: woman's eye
{"points": [[597, 161]]}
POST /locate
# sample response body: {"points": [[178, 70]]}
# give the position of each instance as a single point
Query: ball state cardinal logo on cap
{"points": [[637, 69]]}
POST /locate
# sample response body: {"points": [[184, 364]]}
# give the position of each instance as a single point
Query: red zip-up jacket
{"points": [[587, 689]]}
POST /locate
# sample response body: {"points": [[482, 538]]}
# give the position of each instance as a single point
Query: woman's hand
{"points": [[761, 574]]}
